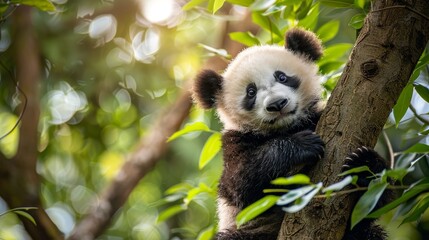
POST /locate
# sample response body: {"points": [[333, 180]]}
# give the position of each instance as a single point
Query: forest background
{"points": [[90, 91]]}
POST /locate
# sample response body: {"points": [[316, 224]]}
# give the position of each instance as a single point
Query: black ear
{"points": [[304, 42], [207, 86]]}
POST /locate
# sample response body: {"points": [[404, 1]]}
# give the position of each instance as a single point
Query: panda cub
{"points": [[269, 102]]}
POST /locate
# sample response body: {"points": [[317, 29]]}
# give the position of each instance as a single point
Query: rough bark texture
{"points": [[393, 37], [19, 182]]}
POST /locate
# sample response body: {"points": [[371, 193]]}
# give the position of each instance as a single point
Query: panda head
{"points": [[265, 87]]}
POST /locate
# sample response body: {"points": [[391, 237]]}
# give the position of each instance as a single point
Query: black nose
{"points": [[277, 105]]}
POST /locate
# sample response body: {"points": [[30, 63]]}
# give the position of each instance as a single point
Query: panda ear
{"points": [[304, 42], [207, 86]]}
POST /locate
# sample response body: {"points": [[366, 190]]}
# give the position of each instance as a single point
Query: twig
{"points": [[390, 149], [422, 119], [24, 107]]}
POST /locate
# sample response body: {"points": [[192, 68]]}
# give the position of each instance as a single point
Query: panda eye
{"points": [[281, 77], [251, 91]]}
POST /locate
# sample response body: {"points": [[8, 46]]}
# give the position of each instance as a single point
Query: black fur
{"points": [[367, 229], [292, 82], [305, 43], [250, 99], [207, 85], [253, 160]]}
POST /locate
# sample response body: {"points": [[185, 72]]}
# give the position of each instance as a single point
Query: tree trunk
{"points": [[19, 182], [393, 37]]}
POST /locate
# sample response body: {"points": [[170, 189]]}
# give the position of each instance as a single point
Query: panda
{"points": [[269, 101]]}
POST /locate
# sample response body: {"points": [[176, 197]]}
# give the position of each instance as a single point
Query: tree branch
{"points": [[150, 150], [380, 65], [20, 185]]}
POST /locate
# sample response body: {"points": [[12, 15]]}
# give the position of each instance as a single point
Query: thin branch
{"points": [[390, 149], [21, 114], [422, 119]]}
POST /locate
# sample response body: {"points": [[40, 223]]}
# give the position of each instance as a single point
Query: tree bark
{"points": [[387, 49], [20, 184]]}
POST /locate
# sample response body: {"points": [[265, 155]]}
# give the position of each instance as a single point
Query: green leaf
{"points": [[192, 127], [357, 21], [255, 209], [401, 106], [3, 8], [367, 202], [191, 4], [17, 209], [339, 185], [418, 148], [303, 9], [422, 91], [194, 192], [356, 170], [180, 187], [360, 3], [171, 211], [246, 38], [259, 5], [274, 9], [295, 179], [338, 3], [206, 234], [310, 21], [328, 31], [398, 173], [330, 67], [210, 149], [421, 64], [266, 23], [26, 215], [244, 3], [410, 193], [294, 194], [304, 200], [217, 4], [335, 52], [43, 5], [416, 213]]}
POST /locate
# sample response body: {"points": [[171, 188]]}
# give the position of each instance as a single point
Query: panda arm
{"points": [[293, 151], [252, 161]]}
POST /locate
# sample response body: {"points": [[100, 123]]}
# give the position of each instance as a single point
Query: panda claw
{"points": [[355, 154], [365, 148]]}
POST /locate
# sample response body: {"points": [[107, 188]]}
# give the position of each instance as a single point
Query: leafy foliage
{"points": [[101, 90], [274, 18]]}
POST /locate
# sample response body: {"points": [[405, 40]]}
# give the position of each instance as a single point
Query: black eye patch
{"points": [[249, 100], [286, 80]]}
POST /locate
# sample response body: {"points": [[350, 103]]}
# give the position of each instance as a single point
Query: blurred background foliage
{"points": [[111, 66]]}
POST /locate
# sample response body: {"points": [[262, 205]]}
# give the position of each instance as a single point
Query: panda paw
{"points": [[364, 156], [311, 143]]}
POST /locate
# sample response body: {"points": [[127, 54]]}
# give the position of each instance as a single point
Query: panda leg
{"points": [[367, 229], [365, 156]]}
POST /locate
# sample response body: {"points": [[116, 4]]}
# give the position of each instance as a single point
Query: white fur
{"points": [[257, 65], [227, 215]]}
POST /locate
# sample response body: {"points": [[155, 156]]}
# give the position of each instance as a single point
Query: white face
{"points": [[267, 87]]}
